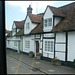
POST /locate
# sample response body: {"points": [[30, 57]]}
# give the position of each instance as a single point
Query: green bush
{"points": [[31, 52]]}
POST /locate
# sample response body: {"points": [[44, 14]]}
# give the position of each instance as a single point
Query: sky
{"points": [[17, 10]]}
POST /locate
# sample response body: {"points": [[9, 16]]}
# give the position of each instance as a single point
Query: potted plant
{"points": [[56, 61], [38, 55], [31, 54]]}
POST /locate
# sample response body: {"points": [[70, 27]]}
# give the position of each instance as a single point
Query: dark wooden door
{"points": [[37, 47]]}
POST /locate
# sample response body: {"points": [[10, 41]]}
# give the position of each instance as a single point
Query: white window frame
{"points": [[49, 46], [27, 26], [27, 44], [48, 22]]}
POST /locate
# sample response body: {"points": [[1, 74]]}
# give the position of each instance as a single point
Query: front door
{"points": [[37, 47]]}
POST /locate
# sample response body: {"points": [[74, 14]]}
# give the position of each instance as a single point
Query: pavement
{"points": [[23, 64]]}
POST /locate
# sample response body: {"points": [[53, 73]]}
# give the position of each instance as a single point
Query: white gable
{"points": [[27, 21], [31, 25], [48, 14], [13, 29], [57, 20], [14, 26]]}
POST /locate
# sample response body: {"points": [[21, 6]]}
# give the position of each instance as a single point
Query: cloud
{"points": [[36, 5]]}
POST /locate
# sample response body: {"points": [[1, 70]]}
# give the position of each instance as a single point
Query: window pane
{"points": [[45, 45], [45, 23], [49, 22], [27, 44], [27, 26]]}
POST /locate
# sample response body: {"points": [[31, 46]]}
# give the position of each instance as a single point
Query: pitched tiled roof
{"points": [[68, 23], [19, 24], [38, 29], [35, 18], [6, 31], [21, 32], [9, 33], [56, 11]]}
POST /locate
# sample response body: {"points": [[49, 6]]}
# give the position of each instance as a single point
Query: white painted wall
{"points": [[57, 20], [71, 46], [60, 46], [60, 56], [18, 30], [14, 26], [49, 35], [21, 44], [37, 36], [32, 25], [11, 45], [27, 50], [11, 42], [60, 37], [48, 14]]}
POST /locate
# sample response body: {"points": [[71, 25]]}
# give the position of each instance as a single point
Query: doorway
{"points": [[37, 47]]}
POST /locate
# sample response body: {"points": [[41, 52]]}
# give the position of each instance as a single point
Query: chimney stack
{"points": [[29, 9]]}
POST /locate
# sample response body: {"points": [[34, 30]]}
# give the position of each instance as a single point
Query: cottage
{"points": [[51, 33]]}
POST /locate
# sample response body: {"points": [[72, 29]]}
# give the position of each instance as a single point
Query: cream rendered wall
{"points": [[60, 46], [48, 14], [71, 46]]}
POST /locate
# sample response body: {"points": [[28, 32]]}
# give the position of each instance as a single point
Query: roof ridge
{"points": [[67, 5], [19, 21], [51, 6]]}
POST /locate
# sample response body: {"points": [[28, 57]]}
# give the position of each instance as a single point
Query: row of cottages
{"points": [[51, 33]]}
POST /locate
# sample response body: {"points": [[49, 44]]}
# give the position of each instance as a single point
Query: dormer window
{"points": [[27, 26], [48, 22]]}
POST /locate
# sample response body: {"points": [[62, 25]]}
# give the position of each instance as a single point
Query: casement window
{"points": [[49, 46], [27, 26], [45, 23], [27, 44], [48, 22], [15, 43]]}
